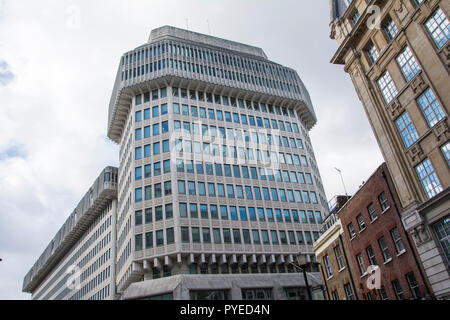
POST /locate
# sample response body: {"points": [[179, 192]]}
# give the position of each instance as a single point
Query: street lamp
{"points": [[304, 261]]}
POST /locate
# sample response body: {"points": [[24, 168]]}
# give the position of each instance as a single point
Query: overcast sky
{"points": [[58, 61]]}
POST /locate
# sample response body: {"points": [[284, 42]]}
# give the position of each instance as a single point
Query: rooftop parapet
{"points": [[149, 67], [91, 205]]}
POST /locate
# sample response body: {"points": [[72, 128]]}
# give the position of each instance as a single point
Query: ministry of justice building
{"points": [[218, 190]]}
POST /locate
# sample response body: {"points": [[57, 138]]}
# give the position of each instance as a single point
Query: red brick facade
{"points": [[397, 264]]}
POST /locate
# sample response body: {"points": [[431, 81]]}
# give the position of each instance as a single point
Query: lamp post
{"points": [[304, 261]]}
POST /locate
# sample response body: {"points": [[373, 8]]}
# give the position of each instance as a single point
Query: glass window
{"points": [[138, 218], [176, 108], [164, 109], [181, 187], [384, 249], [361, 264], [430, 107], [413, 285], [138, 173], [201, 189], [351, 230], [442, 231], [243, 214], [372, 212], [138, 116], [138, 194], [384, 203], [406, 129], [308, 237], [387, 87], [195, 235], [236, 236], [274, 237], [339, 257], [408, 64], [148, 192], [371, 256], [149, 240], [138, 153], [147, 170], [233, 213], [390, 28], [361, 223], [372, 52], [206, 235], [446, 152], [398, 242], [429, 179], [138, 134], [349, 292], [398, 290], [328, 269], [138, 242], [158, 213], [185, 234], [439, 27]]}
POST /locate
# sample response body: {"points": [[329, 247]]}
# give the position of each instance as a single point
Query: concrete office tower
{"points": [[78, 263], [400, 69], [218, 183]]}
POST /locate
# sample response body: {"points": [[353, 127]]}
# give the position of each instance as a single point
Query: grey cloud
{"points": [[61, 122], [6, 76]]}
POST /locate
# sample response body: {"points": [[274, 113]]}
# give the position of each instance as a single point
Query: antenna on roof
{"points": [[187, 24], [342, 179]]}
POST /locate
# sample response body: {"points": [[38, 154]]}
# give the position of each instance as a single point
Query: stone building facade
{"points": [[217, 173], [397, 54]]}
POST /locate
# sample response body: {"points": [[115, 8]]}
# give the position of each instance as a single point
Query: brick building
{"points": [[400, 70], [338, 273], [375, 235]]}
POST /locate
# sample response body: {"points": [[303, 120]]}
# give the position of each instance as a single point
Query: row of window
{"points": [[256, 137], [92, 284], [205, 68], [213, 150], [437, 26], [158, 128], [209, 56], [399, 248], [236, 171], [210, 98], [409, 67], [227, 212], [396, 286], [228, 236], [223, 132], [211, 71], [101, 294], [249, 154], [246, 192], [432, 111], [95, 231], [234, 117], [148, 149], [384, 204]]}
